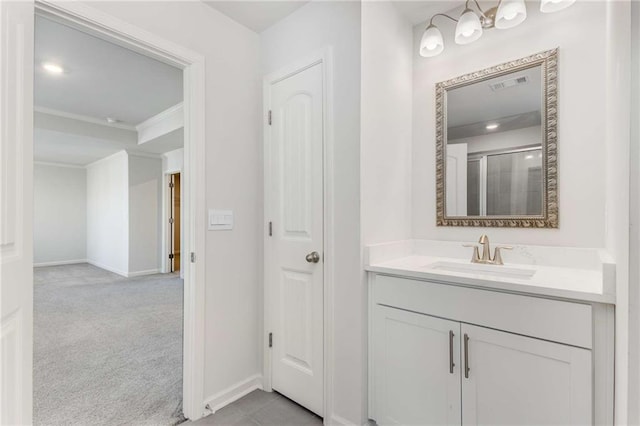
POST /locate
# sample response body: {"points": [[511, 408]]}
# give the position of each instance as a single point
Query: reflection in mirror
{"points": [[496, 145]]}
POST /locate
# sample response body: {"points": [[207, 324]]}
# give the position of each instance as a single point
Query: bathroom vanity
{"points": [[454, 342]]}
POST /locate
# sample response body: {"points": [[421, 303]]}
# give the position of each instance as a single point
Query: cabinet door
{"points": [[517, 380], [415, 381]]}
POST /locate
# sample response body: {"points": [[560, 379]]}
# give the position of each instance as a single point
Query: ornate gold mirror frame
{"points": [[549, 219]]}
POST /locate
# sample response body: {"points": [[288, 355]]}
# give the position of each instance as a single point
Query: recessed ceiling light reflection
{"points": [[53, 68]]}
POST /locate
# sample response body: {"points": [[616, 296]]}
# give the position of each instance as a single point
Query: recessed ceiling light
{"points": [[492, 126], [53, 68], [112, 120]]}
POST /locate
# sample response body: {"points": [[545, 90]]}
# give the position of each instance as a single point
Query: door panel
{"points": [[296, 211], [517, 380], [16, 211], [414, 380]]}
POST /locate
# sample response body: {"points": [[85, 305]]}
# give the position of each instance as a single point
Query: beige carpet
{"points": [[107, 349]]}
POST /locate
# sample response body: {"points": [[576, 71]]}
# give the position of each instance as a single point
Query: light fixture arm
{"points": [[441, 14], [466, 6]]}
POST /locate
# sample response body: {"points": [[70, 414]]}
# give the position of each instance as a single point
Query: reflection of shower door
{"points": [[174, 223], [503, 183]]}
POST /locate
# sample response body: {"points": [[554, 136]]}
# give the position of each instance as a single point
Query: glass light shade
{"points": [[510, 14], [469, 28], [432, 43], [549, 6]]}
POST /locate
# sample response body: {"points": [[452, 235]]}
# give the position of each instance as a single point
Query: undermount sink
{"points": [[482, 269]]}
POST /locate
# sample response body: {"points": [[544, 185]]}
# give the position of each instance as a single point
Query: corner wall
{"points": [[107, 213], [634, 229], [309, 29], [60, 214], [145, 207]]}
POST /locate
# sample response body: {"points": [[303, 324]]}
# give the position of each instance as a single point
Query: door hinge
{"points": [[171, 185], [269, 118], [171, 256], [193, 257], [270, 229], [171, 221], [270, 340]]}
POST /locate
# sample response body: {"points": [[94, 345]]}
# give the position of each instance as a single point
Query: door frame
{"points": [[325, 57], [88, 19]]}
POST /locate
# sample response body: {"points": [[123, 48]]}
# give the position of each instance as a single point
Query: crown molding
{"points": [[160, 124], [169, 113], [54, 164], [85, 118], [141, 154]]}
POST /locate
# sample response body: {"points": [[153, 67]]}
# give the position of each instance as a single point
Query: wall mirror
{"points": [[496, 131]]}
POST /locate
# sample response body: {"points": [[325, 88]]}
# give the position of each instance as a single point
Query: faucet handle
{"points": [[475, 258], [497, 256]]}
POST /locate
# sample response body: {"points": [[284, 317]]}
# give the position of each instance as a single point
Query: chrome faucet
{"points": [[486, 257]]}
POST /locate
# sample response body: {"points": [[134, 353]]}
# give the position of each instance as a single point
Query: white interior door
{"points": [[417, 369], [517, 380], [16, 211], [456, 171], [295, 269]]}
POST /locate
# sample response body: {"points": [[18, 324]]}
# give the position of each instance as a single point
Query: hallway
{"points": [[107, 349]]}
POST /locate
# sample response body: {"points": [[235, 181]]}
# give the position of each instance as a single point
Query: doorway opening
{"points": [[108, 325], [174, 223]]}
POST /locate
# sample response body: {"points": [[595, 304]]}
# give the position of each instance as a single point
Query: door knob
{"points": [[313, 257]]}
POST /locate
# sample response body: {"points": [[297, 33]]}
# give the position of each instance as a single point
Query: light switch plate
{"points": [[220, 220]]}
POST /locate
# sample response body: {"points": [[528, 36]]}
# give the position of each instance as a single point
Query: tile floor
{"points": [[261, 408]]}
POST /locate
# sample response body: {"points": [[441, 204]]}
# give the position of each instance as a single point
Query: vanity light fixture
{"points": [[471, 23], [492, 126], [52, 68]]}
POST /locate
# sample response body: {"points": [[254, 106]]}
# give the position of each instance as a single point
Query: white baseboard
{"points": [[339, 421], [141, 273], [233, 393], [59, 262], [107, 267]]}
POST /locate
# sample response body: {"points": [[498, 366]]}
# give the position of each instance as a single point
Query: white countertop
{"points": [[586, 275]]}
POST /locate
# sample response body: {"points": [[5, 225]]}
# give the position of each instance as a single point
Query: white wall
{"points": [[145, 207], [107, 213], [309, 29], [617, 124], [581, 34], [634, 234], [233, 176], [387, 90], [502, 140], [60, 220]]}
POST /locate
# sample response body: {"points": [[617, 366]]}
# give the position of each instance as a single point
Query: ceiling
{"points": [[101, 79], [470, 108], [257, 15], [419, 11]]}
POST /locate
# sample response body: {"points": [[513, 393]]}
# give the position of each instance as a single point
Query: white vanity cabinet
{"points": [[417, 374], [444, 354]]}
